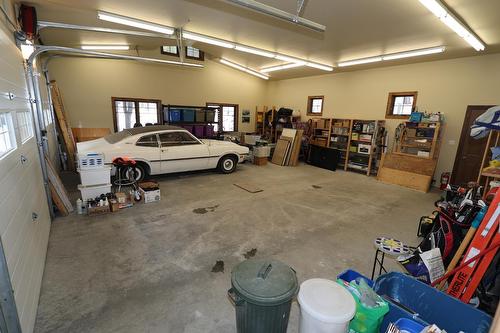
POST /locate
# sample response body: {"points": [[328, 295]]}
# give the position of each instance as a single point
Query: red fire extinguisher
{"points": [[445, 179]]}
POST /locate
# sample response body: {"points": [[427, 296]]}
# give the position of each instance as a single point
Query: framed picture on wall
{"points": [[245, 116]]}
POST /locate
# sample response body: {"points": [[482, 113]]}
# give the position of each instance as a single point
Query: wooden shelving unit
{"points": [[487, 173], [419, 139], [340, 138], [367, 141], [320, 132], [260, 114]]}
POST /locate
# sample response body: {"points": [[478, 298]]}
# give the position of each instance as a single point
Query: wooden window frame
{"points": [[390, 104], [168, 53], [200, 58], [236, 115], [136, 102], [309, 105]]}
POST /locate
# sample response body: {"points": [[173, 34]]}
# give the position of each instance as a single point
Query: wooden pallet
{"points": [[67, 134]]}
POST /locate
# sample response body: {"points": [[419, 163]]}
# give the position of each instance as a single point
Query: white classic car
{"points": [[166, 149]]}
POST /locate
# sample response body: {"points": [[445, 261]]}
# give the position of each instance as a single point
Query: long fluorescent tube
{"points": [[243, 68], [320, 66], [280, 67], [359, 61], [268, 10], [290, 59], [105, 47], [415, 53], [439, 9], [115, 18], [255, 51], [207, 39]]}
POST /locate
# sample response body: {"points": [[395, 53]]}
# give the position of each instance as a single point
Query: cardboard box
{"points": [[150, 191], [260, 160], [355, 136], [364, 149], [121, 197], [365, 137]]}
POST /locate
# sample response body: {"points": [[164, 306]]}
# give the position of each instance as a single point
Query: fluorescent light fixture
{"points": [[414, 53], [280, 67], [207, 39], [275, 12], [255, 51], [115, 18], [289, 59], [105, 47], [243, 68], [359, 61], [320, 66], [440, 10]]}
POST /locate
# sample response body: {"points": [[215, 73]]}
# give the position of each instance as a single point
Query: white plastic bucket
{"points": [[95, 176], [325, 307]]}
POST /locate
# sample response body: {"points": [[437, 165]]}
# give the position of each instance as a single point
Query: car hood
{"points": [[92, 146], [220, 143]]}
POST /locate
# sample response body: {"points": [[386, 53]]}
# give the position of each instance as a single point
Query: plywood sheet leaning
{"points": [[280, 151], [66, 132], [295, 152], [58, 192]]}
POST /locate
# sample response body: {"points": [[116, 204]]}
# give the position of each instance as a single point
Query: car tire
{"points": [[139, 174], [227, 164]]}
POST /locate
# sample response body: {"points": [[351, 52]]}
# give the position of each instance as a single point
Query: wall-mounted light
{"points": [[439, 9], [106, 47], [243, 68], [133, 22]]}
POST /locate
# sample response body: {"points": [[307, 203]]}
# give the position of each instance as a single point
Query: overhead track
{"points": [[281, 14]]}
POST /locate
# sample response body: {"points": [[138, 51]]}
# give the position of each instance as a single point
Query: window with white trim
{"points": [[7, 136], [24, 125]]}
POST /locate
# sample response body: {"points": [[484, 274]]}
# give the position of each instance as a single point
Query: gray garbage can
{"points": [[262, 292]]}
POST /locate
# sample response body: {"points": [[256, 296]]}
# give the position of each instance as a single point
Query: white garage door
{"points": [[22, 192]]}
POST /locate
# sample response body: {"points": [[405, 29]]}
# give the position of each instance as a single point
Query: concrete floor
{"points": [[148, 268]]}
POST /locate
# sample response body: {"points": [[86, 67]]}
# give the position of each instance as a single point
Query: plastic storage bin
{"points": [[262, 293], [325, 306], [413, 299], [90, 192], [209, 131], [95, 176], [350, 275], [409, 326], [90, 161], [174, 116], [200, 116], [188, 115], [198, 131]]}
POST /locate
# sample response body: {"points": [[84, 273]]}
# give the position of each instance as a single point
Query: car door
{"points": [[147, 148], [180, 151]]}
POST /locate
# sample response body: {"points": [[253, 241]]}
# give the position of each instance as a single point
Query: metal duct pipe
{"points": [[278, 13], [36, 101]]}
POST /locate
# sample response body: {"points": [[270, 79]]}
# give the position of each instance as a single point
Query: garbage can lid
{"points": [[326, 301], [264, 282]]}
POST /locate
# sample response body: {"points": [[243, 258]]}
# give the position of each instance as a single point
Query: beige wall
{"points": [[87, 86], [446, 86]]}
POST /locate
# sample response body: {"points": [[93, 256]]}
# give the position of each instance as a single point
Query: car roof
{"points": [[153, 128]]}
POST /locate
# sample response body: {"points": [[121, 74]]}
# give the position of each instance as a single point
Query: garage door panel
{"points": [[24, 241]]}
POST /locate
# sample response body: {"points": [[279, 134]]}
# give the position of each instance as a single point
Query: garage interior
{"points": [[243, 166]]}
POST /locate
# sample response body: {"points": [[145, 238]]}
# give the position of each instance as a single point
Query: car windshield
{"points": [[117, 137]]}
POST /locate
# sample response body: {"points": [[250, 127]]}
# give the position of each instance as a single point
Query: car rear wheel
{"points": [[228, 163], [139, 173]]}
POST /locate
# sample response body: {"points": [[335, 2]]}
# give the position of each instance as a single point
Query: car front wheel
{"points": [[227, 164]]}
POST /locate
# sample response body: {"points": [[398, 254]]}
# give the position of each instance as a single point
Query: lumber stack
{"points": [[287, 148], [58, 192], [63, 123]]}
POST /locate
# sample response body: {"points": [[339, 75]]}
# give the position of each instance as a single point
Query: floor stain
{"points": [[205, 210], [250, 254], [218, 267], [316, 186]]}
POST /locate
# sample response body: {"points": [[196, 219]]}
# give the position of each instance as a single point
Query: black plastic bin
{"points": [[262, 292]]}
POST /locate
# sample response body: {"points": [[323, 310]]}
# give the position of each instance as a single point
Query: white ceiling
{"points": [[354, 28]]}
